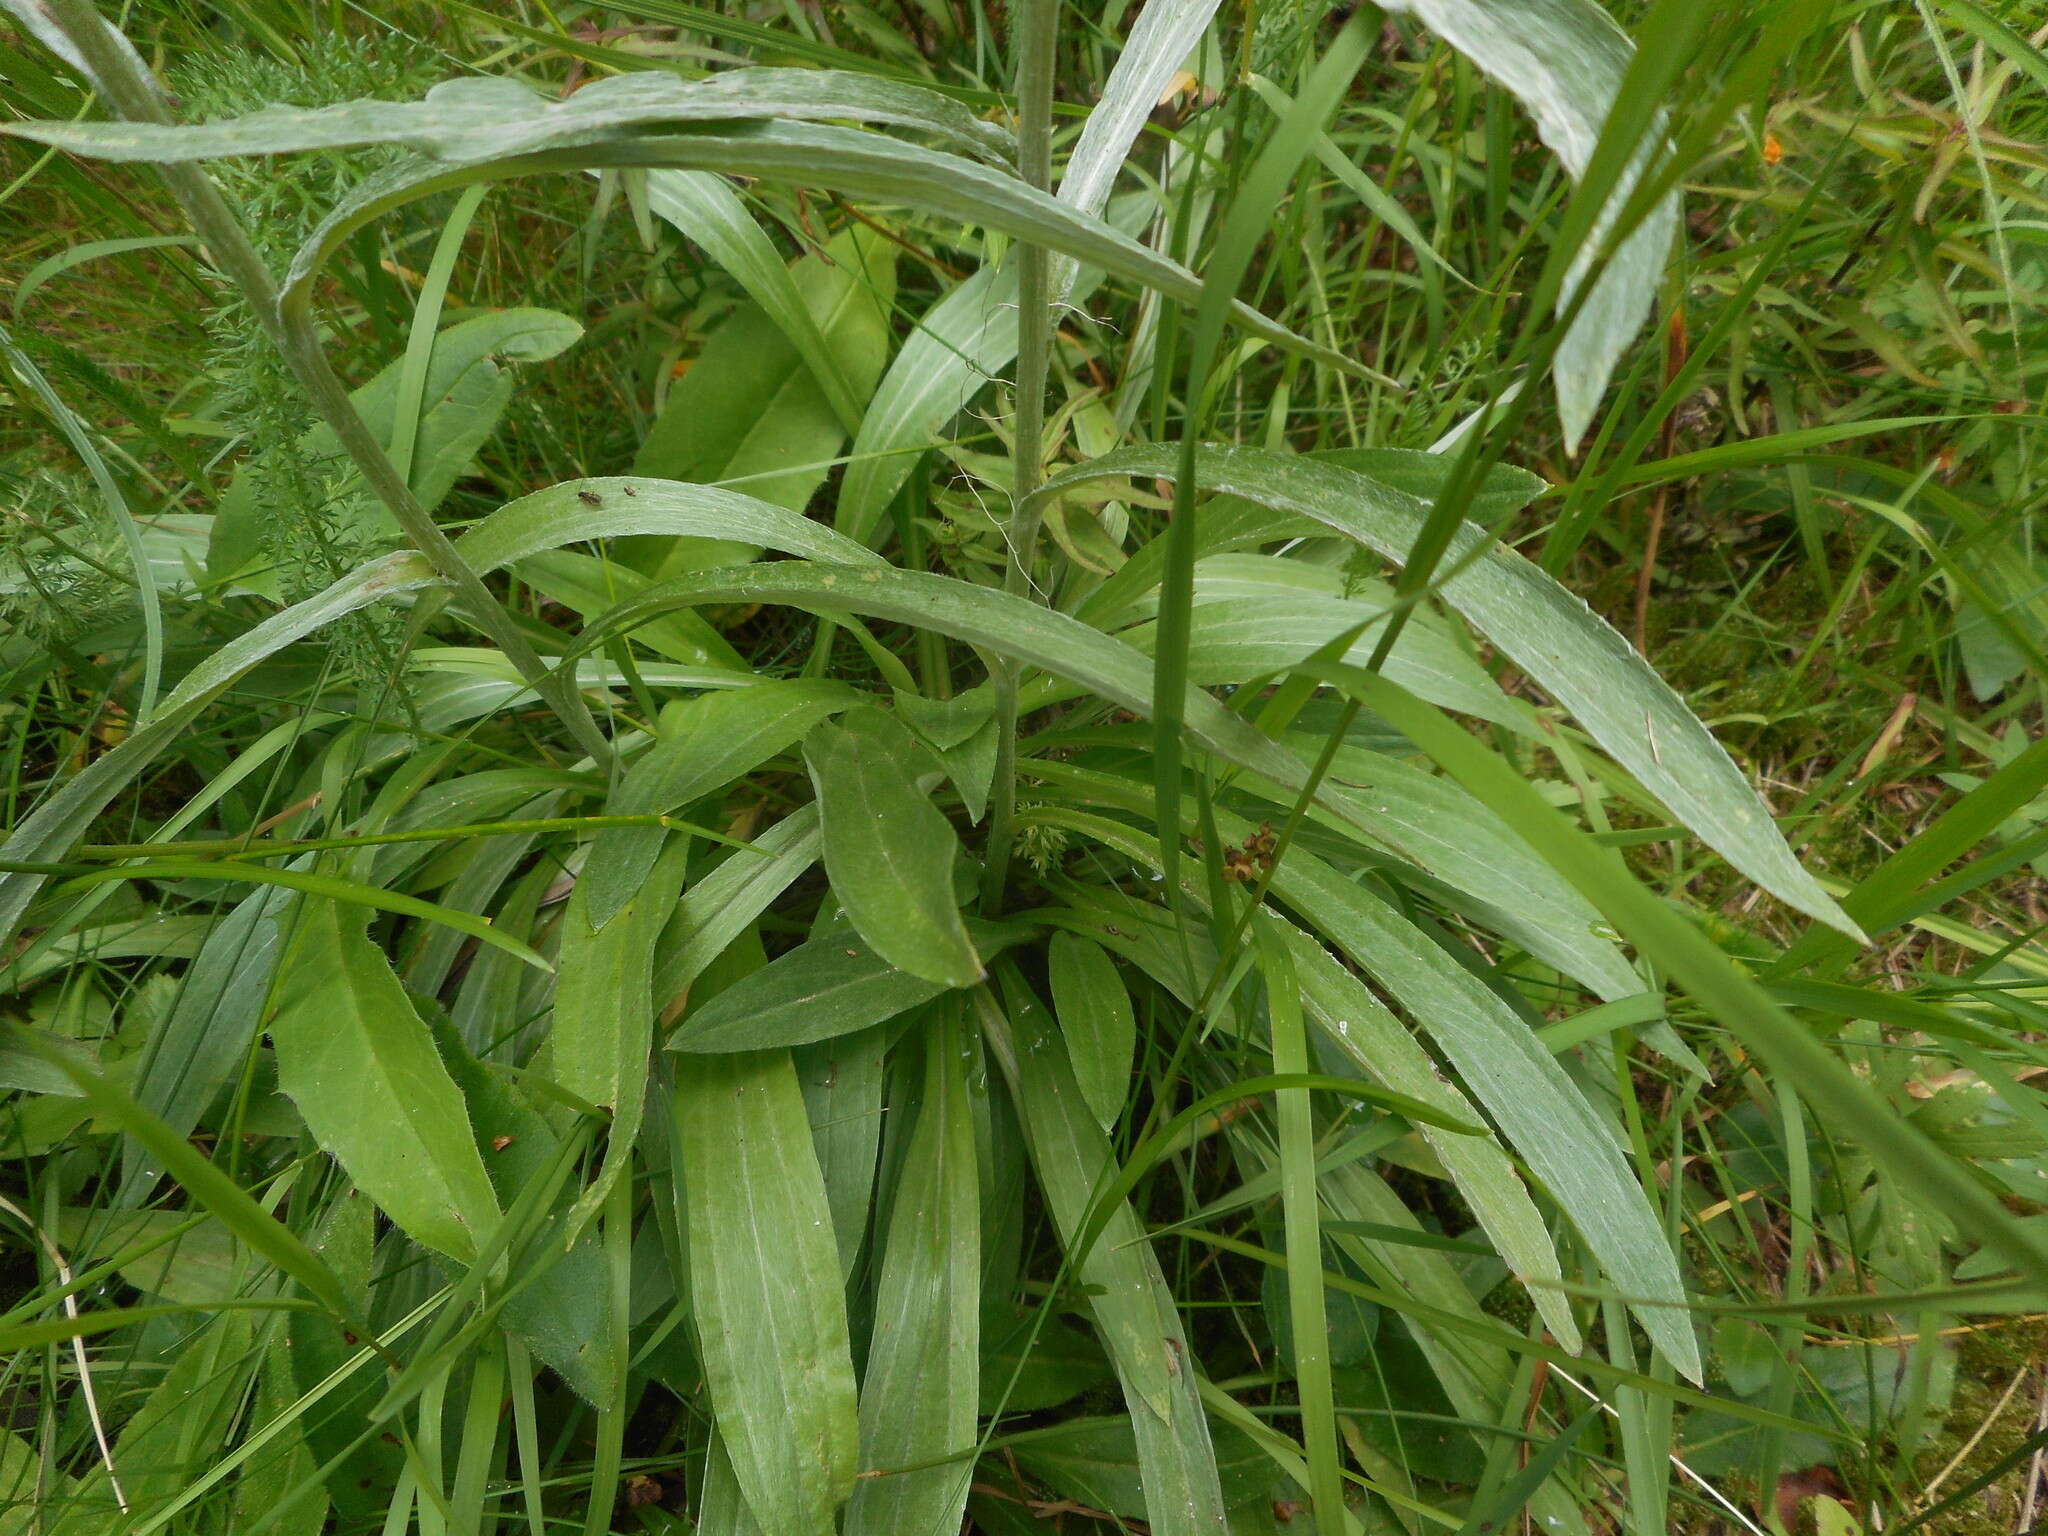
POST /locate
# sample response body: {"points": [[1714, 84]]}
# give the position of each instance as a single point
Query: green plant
{"points": [[1140, 1012]]}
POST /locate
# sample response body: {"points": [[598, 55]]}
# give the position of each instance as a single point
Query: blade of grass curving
{"points": [[1304, 1238], [426, 324], [482, 117], [1165, 33], [625, 505], [211, 1188], [765, 1290], [1545, 629], [863, 165], [919, 1394], [329, 887]]}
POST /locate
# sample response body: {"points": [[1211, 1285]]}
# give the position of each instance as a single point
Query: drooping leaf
{"points": [[486, 117], [889, 852], [765, 1289], [361, 1066], [1564, 60], [1547, 631]]}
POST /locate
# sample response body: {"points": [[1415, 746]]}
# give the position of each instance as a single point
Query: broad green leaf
{"points": [[889, 853], [963, 731], [1133, 1307], [862, 165], [50, 829], [1095, 1017], [722, 905], [1547, 631], [361, 1066], [751, 412], [488, 117], [765, 1288], [603, 1029], [701, 745], [1564, 60], [920, 1391], [463, 395], [706, 209], [203, 1264], [831, 985], [621, 505]]}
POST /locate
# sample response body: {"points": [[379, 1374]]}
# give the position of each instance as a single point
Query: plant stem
{"points": [[1037, 40], [135, 97]]}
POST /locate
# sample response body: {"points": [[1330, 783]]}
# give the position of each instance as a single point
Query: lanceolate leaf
{"points": [[604, 1012], [1095, 1017], [719, 907], [832, 985], [1133, 1306], [617, 506], [1545, 630], [482, 118], [1564, 60], [361, 1066], [889, 852], [765, 1288], [1538, 1108], [922, 1384]]}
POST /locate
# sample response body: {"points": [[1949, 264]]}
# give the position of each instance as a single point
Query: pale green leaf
{"points": [[361, 1066], [1095, 1017], [889, 852]]}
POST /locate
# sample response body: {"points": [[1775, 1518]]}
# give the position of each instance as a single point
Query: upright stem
{"points": [[134, 96], [1037, 39]]}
